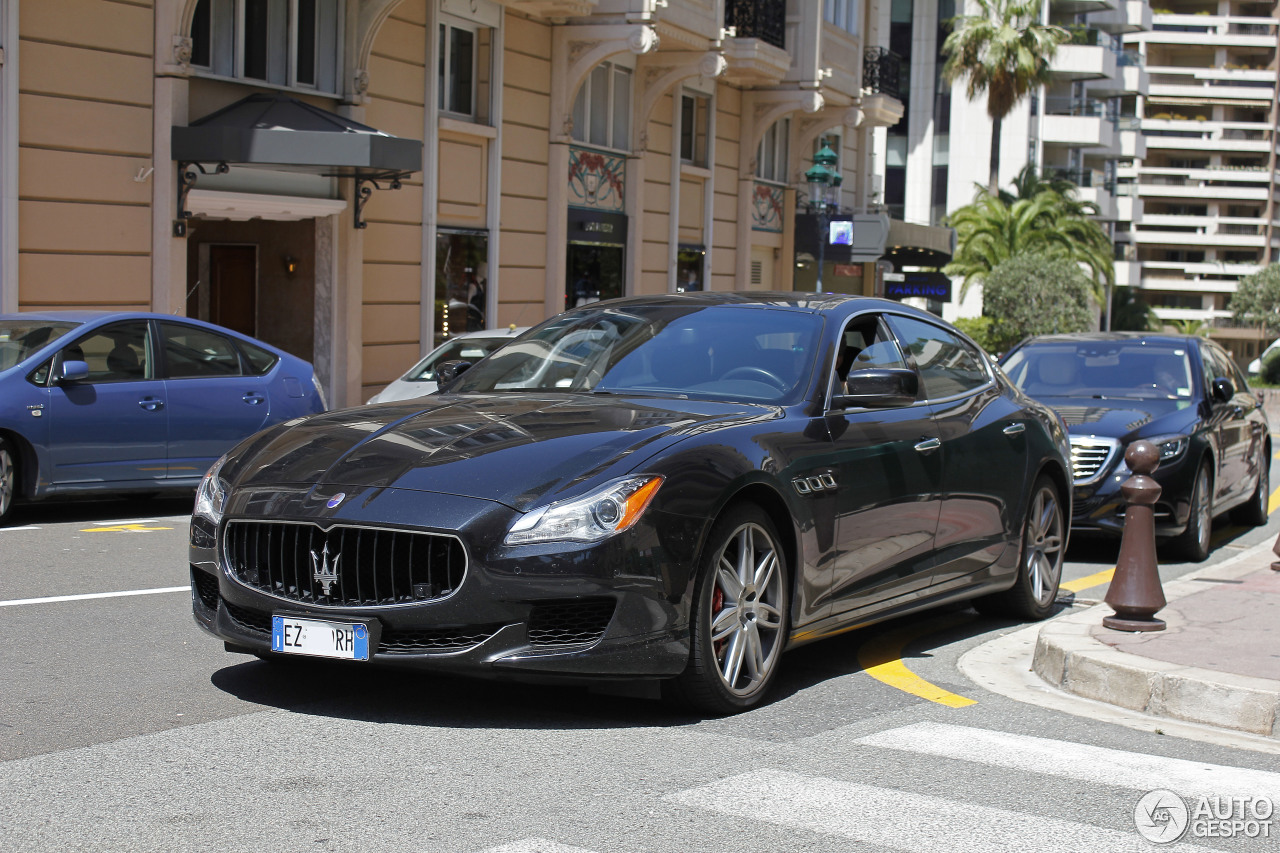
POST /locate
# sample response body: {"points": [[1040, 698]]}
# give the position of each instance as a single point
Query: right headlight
{"points": [[212, 494]]}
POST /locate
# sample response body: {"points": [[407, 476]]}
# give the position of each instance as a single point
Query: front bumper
{"points": [[615, 609], [1099, 507]]}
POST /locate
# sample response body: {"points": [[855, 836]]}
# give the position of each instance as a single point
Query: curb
{"points": [[1069, 657]]}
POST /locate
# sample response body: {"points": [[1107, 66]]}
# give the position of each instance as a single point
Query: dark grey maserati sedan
{"points": [[672, 487]]}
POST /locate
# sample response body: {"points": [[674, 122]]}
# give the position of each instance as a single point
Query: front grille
{"points": [[344, 566], [206, 587], [569, 623], [1090, 457]]}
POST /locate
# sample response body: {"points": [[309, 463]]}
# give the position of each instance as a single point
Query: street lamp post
{"points": [[824, 197]]}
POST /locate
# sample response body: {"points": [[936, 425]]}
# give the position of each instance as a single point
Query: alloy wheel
{"points": [[1043, 552], [746, 612], [6, 479], [1201, 514]]}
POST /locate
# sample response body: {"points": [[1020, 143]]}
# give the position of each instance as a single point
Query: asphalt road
{"points": [[123, 727]]}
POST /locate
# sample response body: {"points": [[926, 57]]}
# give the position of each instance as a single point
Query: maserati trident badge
{"points": [[324, 574], [336, 499]]}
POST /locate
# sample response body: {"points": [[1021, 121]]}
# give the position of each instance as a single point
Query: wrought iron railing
{"points": [[882, 72], [762, 19]]}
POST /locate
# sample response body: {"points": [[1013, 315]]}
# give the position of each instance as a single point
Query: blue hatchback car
{"points": [[113, 402]]}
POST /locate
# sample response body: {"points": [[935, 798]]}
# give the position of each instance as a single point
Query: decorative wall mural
{"points": [[596, 180], [766, 208]]}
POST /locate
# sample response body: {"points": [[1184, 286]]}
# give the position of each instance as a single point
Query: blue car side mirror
{"points": [[73, 371]]}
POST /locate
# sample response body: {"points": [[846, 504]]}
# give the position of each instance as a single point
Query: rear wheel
{"points": [[1044, 543], [8, 477], [1192, 545], [739, 614], [1257, 510]]}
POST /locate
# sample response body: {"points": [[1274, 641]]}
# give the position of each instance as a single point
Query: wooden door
{"points": [[233, 297]]}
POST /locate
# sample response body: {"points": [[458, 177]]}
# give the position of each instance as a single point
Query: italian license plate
{"points": [[293, 635]]}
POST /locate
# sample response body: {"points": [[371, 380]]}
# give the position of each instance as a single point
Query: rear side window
{"points": [[191, 352], [948, 365], [259, 360]]}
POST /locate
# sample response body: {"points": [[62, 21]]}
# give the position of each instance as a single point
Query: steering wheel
{"points": [[757, 373]]}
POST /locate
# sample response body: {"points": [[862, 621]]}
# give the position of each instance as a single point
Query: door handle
{"points": [[253, 398], [929, 445], [151, 404], [1014, 429]]}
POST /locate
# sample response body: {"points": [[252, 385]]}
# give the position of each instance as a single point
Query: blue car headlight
{"points": [[212, 494], [603, 513]]}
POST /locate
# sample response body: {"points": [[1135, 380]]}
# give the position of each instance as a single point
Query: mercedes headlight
{"points": [[607, 511], [212, 494], [1171, 446]]}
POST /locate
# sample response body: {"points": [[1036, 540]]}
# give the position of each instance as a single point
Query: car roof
{"points": [[819, 303], [1077, 337], [91, 316]]}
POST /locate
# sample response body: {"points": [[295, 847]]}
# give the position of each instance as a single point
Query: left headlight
{"points": [[603, 513], [212, 494], [1171, 446]]}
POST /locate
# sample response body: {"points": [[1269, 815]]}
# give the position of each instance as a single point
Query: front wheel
{"points": [[739, 614], [8, 478], [1044, 543], [1192, 545]]}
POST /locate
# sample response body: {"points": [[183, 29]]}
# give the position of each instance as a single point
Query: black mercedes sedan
{"points": [[1184, 394], [675, 488]]}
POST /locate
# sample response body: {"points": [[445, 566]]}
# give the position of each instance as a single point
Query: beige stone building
{"points": [[354, 180]]}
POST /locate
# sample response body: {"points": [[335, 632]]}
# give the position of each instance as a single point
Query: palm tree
{"points": [[989, 231], [1130, 314], [1003, 51]]}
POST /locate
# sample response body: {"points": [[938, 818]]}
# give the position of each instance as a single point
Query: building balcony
{"points": [[757, 50], [1133, 144], [1083, 62], [881, 87], [1129, 16], [1077, 124], [1128, 273], [553, 8], [1214, 30], [1129, 207], [1080, 7]]}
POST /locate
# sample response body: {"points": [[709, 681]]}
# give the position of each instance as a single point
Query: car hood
{"points": [[514, 448], [1122, 418]]}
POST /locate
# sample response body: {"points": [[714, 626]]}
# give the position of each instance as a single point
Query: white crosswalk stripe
{"points": [[900, 820], [535, 845], [1082, 762]]}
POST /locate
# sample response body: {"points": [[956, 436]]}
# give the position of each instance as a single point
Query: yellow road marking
{"points": [[1095, 579], [881, 658], [123, 528], [1274, 503]]}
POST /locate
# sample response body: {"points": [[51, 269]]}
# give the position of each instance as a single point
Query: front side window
{"points": [[116, 353], [294, 43], [602, 110], [771, 156], [948, 365], [20, 338]]}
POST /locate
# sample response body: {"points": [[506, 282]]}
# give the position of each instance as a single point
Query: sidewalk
{"points": [[1217, 663]]}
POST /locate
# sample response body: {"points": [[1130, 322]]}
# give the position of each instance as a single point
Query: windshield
{"points": [[19, 338], [1136, 369], [718, 352], [466, 349]]}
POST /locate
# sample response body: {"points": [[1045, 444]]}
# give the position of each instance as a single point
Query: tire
{"points": [[1044, 542], [8, 478], [1256, 512], [1192, 545], [738, 619]]}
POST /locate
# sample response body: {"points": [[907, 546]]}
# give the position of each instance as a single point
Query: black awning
{"points": [[275, 129]]}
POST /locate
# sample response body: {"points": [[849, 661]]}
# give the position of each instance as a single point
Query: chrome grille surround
{"points": [[1091, 457], [366, 566]]}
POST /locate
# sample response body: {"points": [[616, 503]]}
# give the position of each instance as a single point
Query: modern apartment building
{"points": [[1205, 187], [356, 179]]}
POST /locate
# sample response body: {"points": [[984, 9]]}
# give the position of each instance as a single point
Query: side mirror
{"points": [[73, 371], [1223, 389], [448, 371], [879, 388]]}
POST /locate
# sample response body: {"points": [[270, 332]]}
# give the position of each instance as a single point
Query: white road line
{"points": [[53, 599], [535, 845], [900, 820], [1134, 770], [12, 529]]}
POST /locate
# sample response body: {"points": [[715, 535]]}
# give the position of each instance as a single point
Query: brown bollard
{"points": [[1135, 593], [1275, 549]]}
